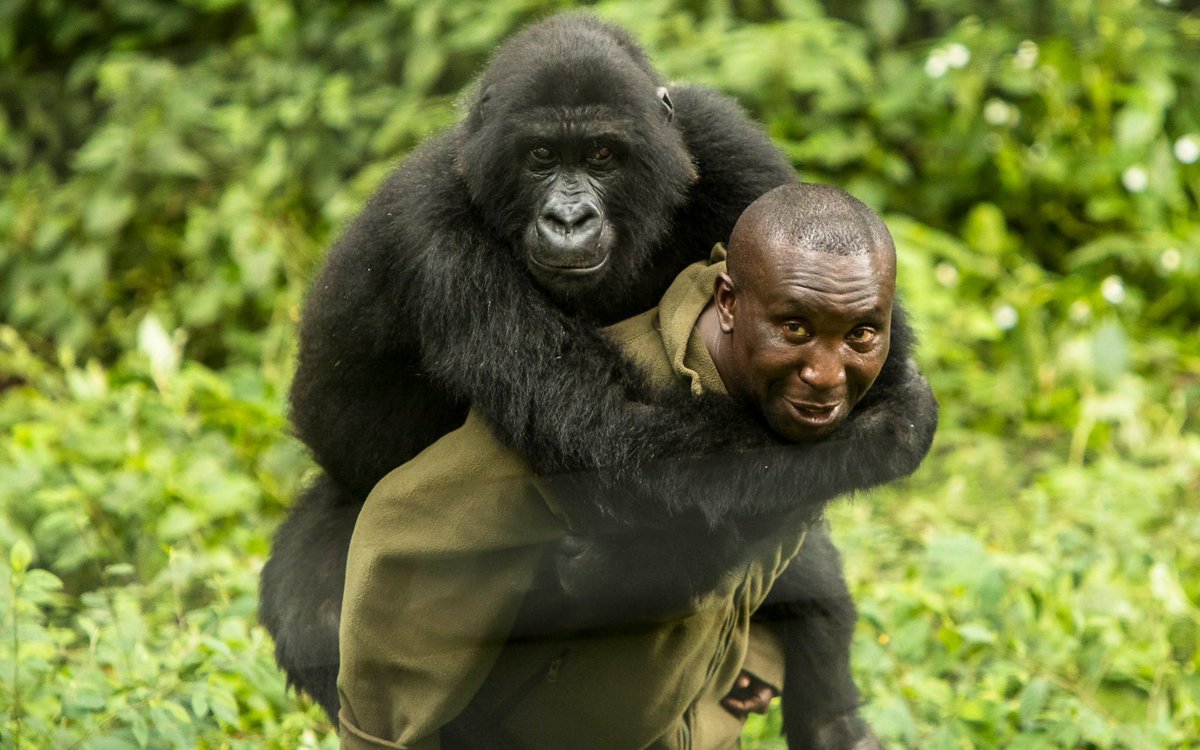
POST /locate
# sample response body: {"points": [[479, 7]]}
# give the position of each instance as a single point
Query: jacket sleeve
{"points": [[443, 554]]}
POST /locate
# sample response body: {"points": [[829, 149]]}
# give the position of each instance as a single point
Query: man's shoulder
{"points": [[466, 493], [640, 340], [658, 339], [630, 330]]}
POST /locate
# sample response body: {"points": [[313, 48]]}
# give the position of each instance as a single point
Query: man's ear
{"points": [[723, 296]]}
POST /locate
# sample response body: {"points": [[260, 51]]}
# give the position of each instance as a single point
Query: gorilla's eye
{"points": [[600, 155], [542, 155]]}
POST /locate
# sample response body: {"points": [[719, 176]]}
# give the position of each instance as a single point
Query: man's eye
{"points": [[542, 154], [600, 155], [795, 328], [861, 335]]}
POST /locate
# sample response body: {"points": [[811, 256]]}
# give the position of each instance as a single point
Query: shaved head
{"points": [[806, 217]]}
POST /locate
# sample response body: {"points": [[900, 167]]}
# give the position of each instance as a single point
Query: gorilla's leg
{"points": [[811, 609], [300, 601]]}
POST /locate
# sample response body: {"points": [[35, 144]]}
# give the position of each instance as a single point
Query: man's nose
{"points": [[823, 371]]}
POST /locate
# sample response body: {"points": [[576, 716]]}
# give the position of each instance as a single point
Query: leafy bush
{"points": [[138, 493], [171, 171]]}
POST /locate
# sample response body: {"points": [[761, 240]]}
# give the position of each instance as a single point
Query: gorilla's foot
{"points": [[847, 732]]}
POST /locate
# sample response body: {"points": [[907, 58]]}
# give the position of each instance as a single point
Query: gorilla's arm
{"points": [[622, 573], [810, 609], [360, 397]]}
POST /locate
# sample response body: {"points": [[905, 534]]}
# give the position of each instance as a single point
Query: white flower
{"points": [[957, 55], [1187, 149], [1027, 55], [1135, 179], [946, 274], [1006, 317], [1171, 259], [936, 65], [1113, 290], [163, 350], [1165, 586], [996, 111]]}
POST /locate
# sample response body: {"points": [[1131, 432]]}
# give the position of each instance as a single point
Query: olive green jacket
{"points": [[446, 550]]}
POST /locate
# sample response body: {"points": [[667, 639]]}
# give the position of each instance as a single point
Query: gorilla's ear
{"points": [[480, 109], [665, 98]]}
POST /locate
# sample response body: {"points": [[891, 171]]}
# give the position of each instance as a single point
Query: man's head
{"points": [[805, 308]]}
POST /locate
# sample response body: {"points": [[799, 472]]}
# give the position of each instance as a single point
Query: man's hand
{"points": [[749, 695]]}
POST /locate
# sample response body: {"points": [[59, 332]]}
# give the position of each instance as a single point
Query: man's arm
{"points": [[420, 640], [443, 555]]}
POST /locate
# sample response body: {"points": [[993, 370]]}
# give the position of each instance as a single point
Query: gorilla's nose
{"points": [[573, 222], [569, 236]]}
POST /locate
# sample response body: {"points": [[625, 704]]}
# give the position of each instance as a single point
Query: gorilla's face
{"points": [[569, 235], [598, 184], [581, 173]]}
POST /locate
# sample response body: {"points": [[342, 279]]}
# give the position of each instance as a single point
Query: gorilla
{"points": [[574, 189]]}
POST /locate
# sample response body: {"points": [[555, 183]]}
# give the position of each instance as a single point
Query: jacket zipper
{"points": [[549, 674]]}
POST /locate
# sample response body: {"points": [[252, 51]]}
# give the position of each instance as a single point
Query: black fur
{"points": [[427, 303], [815, 616], [300, 602]]}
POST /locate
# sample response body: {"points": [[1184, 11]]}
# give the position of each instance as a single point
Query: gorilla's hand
{"points": [[749, 695], [632, 577], [907, 417]]}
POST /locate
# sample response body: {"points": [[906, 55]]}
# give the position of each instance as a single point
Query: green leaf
{"points": [[886, 18], [1033, 700], [20, 556], [977, 634], [1183, 636], [986, 229], [973, 709], [107, 213], [1110, 353], [139, 727], [200, 701], [1137, 127]]}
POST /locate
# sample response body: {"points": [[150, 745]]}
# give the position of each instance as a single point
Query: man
{"points": [[447, 624]]}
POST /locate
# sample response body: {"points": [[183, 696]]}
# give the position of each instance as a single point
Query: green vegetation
{"points": [[171, 171]]}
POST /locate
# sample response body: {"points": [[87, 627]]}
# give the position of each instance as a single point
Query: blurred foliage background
{"points": [[170, 173]]}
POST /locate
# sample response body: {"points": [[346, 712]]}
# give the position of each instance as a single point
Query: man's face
{"points": [[808, 334]]}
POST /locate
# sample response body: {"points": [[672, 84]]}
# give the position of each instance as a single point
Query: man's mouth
{"points": [[815, 414]]}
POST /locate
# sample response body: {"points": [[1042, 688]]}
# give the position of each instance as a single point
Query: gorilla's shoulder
{"points": [[694, 100], [736, 160], [715, 124], [430, 163], [427, 185]]}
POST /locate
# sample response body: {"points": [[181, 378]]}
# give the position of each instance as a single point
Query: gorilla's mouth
{"points": [[569, 269], [570, 256]]}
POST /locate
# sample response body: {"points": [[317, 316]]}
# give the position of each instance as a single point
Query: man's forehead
{"points": [[773, 260]]}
